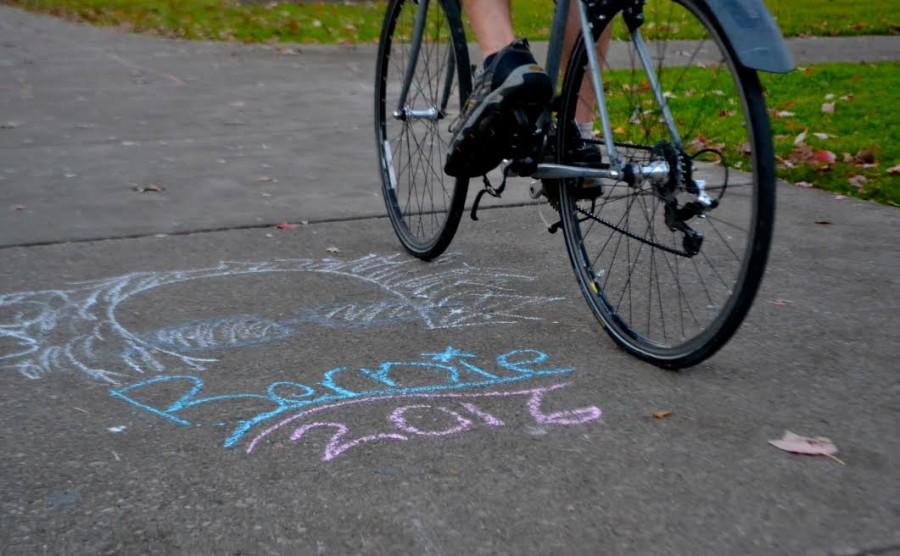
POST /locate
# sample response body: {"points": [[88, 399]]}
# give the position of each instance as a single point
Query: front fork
{"points": [[405, 112]]}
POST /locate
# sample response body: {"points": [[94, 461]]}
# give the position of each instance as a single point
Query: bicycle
{"points": [[685, 196]]}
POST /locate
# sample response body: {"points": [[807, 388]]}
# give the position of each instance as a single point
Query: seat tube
{"points": [[414, 47], [557, 32]]}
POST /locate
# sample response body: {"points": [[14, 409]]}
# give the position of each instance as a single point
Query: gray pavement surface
{"points": [[247, 135], [202, 393]]}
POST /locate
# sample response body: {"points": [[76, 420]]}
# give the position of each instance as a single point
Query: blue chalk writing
{"points": [[447, 370]]}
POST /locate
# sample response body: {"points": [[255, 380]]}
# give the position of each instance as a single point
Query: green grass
{"points": [[361, 22], [866, 120], [706, 109]]}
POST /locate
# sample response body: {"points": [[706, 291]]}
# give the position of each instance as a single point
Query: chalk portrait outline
{"points": [[76, 329]]}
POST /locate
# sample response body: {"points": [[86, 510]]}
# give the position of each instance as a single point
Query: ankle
{"points": [[585, 129]]}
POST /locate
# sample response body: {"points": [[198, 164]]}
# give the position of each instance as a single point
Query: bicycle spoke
{"points": [[632, 251]]}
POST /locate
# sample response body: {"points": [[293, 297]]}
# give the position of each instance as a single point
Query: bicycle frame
{"points": [[655, 171], [768, 39]]}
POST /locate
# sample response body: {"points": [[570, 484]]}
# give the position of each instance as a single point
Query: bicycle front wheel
{"points": [[671, 284], [424, 204]]}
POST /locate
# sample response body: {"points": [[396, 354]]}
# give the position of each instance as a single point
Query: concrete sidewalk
{"points": [[233, 135], [313, 391]]}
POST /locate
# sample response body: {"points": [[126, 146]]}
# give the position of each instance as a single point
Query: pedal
{"points": [[522, 167], [524, 139]]}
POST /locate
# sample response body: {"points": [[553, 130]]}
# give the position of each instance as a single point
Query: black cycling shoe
{"points": [[587, 153], [511, 84], [581, 151]]}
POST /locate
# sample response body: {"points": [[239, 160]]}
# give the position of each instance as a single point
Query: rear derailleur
{"points": [[680, 178]]}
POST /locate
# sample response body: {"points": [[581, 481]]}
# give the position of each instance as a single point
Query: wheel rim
{"points": [[420, 198], [660, 304]]}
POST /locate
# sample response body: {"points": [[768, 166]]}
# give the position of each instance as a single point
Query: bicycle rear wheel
{"points": [[667, 298], [424, 204]]}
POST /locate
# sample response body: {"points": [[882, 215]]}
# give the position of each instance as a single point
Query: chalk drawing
{"points": [[76, 329], [339, 443], [445, 371], [163, 372]]}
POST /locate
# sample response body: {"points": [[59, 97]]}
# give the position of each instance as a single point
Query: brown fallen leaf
{"points": [[18, 208], [828, 108], [801, 138], [804, 184], [333, 250], [866, 156], [286, 226], [153, 188], [662, 414], [894, 169], [785, 163], [796, 444], [823, 222], [857, 181], [825, 157]]}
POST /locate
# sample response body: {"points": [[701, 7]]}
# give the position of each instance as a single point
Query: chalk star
{"points": [[448, 355]]}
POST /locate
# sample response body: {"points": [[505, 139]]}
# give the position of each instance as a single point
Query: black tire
{"points": [[746, 210], [424, 204]]}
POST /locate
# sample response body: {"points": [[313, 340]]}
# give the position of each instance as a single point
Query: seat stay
{"points": [[644, 56], [587, 36]]}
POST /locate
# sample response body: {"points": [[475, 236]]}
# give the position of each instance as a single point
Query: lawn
{"points": [[862, 132], [360, 22], [829, 122]]}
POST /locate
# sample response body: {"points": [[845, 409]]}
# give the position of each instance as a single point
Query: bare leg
{"points": [[584, 112], [491, 23]]}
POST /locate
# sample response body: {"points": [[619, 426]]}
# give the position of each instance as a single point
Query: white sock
{"points": [[586, 129]]}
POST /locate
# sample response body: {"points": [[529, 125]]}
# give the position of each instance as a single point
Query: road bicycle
{"points": [[668, 236]]}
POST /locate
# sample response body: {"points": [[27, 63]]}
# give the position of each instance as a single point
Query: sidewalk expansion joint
{"points": [[263, 226]]}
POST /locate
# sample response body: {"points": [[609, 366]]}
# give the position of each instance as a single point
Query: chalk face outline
{"points": [[446, 295]]}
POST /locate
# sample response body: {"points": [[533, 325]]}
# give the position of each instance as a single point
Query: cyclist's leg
{"points": [[510, 91], [491, 23], [587, 101]]}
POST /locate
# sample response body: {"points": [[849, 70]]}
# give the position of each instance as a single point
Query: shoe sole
{"points": [[474, 149]]}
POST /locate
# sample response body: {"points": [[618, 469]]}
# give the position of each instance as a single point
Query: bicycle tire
{"points": [[687, 349], [426, 215]]}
